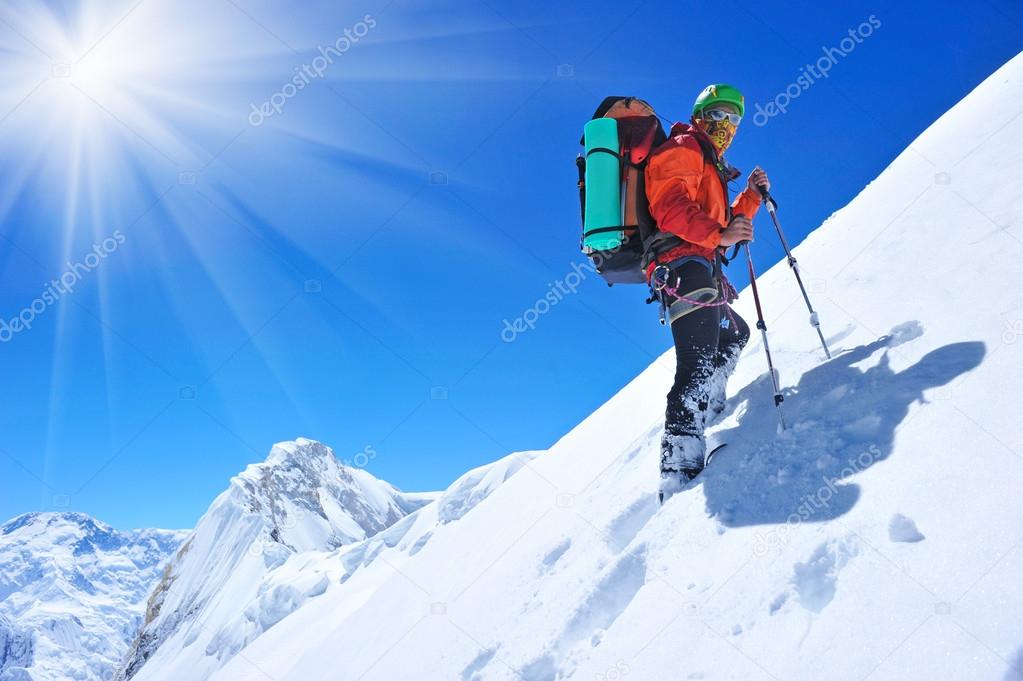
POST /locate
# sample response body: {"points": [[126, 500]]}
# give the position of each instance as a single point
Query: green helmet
{"points": [[719, 93]]}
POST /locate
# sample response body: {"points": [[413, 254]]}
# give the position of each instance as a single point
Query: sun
{"points": [[96, 74], [95, 89]]}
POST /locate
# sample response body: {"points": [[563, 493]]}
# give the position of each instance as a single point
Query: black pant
{"points": [[708, 341]]}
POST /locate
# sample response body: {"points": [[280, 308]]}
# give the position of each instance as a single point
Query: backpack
{"points": [[617, 229]]}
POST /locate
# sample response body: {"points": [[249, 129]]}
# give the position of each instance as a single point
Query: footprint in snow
{"points": [[903, 529], [905, 332], [420, 543], [1015, 671], [609, 598], [472, 671], [836, 393], [816, 580], [864, 427], [778, 602], [542, 668], [628, 524], [554, 555]]}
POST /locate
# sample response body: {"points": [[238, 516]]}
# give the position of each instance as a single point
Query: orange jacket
{"points": [[688, 197]]}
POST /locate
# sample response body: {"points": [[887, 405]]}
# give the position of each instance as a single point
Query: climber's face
{"points": [[720, 122]]}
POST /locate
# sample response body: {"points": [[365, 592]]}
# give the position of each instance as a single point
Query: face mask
{"points": [[720, 132]]}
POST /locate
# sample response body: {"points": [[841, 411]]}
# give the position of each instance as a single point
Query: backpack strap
{"points": [[604, 150], [580, 164], [661, 242], [726, 173]]}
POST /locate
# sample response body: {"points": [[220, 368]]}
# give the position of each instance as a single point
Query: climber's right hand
{"points": [[738, 230]]}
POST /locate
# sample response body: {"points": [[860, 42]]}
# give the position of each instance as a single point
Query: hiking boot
{"points": [[673, 482], [682, 459], [682, 452]]}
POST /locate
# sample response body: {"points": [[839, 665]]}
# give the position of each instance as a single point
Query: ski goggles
{"points": [[720, 115]]}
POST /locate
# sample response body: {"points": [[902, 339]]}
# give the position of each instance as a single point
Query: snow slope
{"points": [[879, 537], [219, 592], [72, 594]]}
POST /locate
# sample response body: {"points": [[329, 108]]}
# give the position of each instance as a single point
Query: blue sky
{"points": [[343, 269]]}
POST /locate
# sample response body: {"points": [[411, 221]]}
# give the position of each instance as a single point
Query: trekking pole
{"points": [[815, 321], [762, 325]]}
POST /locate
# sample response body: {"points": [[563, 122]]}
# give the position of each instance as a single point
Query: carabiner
{"points": [[659, 281]]}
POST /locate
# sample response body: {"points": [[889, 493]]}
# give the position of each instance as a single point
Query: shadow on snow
{"points": [[842, 420]]}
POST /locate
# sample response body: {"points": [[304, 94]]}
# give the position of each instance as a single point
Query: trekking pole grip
{"points": [[768, 199]]}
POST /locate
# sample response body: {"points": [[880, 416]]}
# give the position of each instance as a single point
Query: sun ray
{"points": [[106, 105]]}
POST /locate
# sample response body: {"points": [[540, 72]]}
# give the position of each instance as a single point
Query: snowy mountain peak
{"points": [[40, 522], [72, 592], [300, 448], [300, 499], [300, 452], [312, 501], [271, 582], [84, 534]]}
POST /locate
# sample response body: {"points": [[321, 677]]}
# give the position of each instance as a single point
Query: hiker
{"points": [[687, 188], [655, 211]]}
